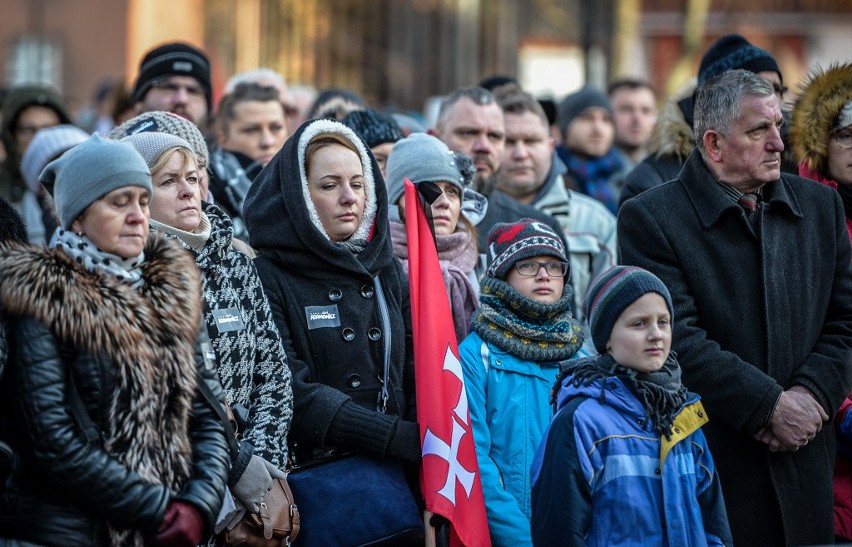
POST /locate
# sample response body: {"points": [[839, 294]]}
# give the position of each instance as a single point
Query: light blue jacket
{"points": [[509, 402]]}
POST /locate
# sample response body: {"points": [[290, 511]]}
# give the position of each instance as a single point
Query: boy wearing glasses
{"points": [[522, 330]]}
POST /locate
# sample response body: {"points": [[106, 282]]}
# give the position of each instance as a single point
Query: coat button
{"points": [[657, 471], [700, 414], [367, 291], [677, 430], [335, 295], [374, 334], [348, 334], [354, 381]]}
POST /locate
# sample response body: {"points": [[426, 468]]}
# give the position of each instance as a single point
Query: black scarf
{"points": [[845, 191], [660, 392]]}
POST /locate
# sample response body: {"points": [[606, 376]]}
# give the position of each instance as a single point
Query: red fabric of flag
{"points": [[449, 477]]}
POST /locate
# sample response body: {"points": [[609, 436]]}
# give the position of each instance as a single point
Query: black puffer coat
{"points": [[323, 298], [136, 361]]}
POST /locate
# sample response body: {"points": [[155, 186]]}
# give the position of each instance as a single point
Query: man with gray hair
{"points": [[760, 271], [471, 121]]}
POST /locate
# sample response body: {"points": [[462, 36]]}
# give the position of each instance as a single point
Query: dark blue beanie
{"points": [[732, 51], [612, 292]]}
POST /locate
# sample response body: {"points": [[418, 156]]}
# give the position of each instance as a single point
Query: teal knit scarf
{"points": [[529, 330]]}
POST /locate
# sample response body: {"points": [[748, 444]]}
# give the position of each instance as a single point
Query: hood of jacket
{"points": [[673, 134], [823, 96], [283, 223]]}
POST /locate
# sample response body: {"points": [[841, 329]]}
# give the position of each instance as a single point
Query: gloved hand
{"points": [[255, 482], [182, 526]]}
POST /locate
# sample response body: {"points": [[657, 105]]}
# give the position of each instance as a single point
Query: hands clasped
{"points": [[797, 419]]}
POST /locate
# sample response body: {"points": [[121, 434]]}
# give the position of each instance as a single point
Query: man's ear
{"points": [[220, 137], [434, 132], [713, 145]]}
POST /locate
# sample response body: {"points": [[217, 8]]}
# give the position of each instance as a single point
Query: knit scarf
{"points": [[592, 174], [525, 328], [457, 257], [85, 252], [194, 240], [660, 392]]}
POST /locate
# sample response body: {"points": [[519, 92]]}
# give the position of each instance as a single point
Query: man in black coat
{"points": [[758, 264]]}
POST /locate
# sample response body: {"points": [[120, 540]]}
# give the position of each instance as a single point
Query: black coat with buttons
{"points": [[323, 298]]}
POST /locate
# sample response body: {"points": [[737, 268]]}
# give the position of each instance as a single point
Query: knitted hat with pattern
{"points": [[612, 292], [165, 122], [510, 242], [91, 170]]}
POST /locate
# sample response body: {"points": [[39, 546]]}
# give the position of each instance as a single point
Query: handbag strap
{"points": [[384, 395], [220, 410], [75, 402]]}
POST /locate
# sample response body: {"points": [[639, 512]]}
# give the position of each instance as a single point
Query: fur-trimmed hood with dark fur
{"points": [[148, 336], [823, 96]]}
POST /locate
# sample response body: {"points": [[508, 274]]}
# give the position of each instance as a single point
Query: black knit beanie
{"points": [[174, 59], [732, 51], [574, 104], [373, 127]]}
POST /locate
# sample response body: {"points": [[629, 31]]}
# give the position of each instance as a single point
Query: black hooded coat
{"points": [[324, 301]]}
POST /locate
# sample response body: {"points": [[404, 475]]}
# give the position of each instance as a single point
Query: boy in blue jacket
{"points": [[522, 330], [624, 461]]}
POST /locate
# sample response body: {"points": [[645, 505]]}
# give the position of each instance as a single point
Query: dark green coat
{"points": [[756, 312]]}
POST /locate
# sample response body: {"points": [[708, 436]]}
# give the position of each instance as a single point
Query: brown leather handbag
{"points": [[276, 524]]}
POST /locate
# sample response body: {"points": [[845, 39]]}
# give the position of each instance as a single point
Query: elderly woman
{"points": [[424, 158], [115, 445], [251, 358], [318, 217]]}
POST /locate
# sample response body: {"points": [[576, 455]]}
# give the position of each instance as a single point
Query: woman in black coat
{"points": [[317, 215], [114, 443]]}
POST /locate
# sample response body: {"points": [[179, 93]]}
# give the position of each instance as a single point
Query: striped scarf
{"points": [[527, 329]]}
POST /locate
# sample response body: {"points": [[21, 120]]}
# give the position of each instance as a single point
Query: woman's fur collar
{"points": [[672, 134], [147, 336]]}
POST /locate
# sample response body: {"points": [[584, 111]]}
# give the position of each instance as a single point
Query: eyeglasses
{"points": [[170, 88], [780, 90], [844, 139], [530, 268]]}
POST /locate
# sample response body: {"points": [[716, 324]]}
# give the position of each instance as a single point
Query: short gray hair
{"points": [[718, 102], [479, 95]]}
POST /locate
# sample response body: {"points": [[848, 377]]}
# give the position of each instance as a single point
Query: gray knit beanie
{"points": [[612, 292], [574, 104], [151, 145], [424, 158], [91, 170], [48, 144], [165, 122]]}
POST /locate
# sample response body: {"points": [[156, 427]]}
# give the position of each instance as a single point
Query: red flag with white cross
{"points": [[449, 478]]}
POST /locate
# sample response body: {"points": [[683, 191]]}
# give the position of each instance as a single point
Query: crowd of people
{"points": [[653, 310]]}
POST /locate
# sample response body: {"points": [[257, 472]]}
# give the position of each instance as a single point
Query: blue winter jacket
{"points": [[509, 402], [603, 476]]}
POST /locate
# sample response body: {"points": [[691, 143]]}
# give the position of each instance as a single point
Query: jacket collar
{"points": [[711, 203]]}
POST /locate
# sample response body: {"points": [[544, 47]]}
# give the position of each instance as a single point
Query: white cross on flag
{"points": [[449, 476]]}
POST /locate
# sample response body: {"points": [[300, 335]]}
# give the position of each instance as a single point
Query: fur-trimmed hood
{"points": [[672, 134], [282, 220], [147, 336], [823, 96]]}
